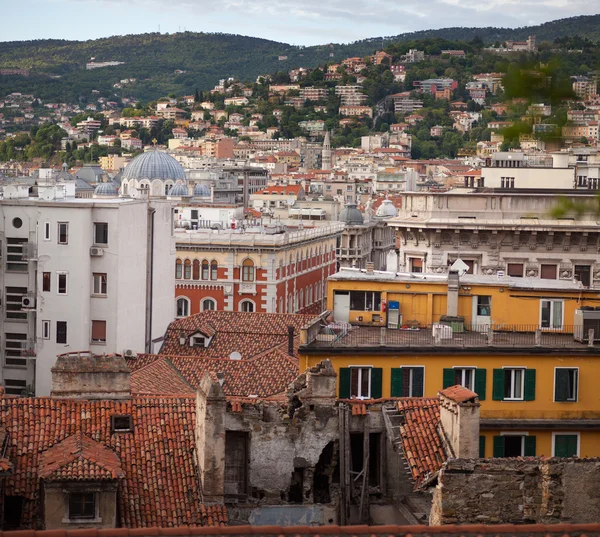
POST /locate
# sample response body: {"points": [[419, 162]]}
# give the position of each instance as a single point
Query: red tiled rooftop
{"points": [[458, 394]]}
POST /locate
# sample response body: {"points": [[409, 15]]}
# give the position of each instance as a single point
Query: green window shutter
{"points": [[376, 373], [561, 386], [565, 445], [572, 445], [480, 378], [530, 446], [498, 386], [449, 377], [418, 377], [344, 380], [529, 384], [498, 446], [396, 382], [482, 447]]}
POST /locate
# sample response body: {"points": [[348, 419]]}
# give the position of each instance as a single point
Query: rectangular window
{"points": [[471, 378], [565, 445], [236, 465], [100, 233], [63, 233], [408, 381], [360, 382], [82, 505], [583, 273], [61, 332], [515, 270], [484, 306], [62, 283], [548, 272], [14, 303], [465, 377], [365, 300], [415, 264], [45, 329], [14, 387], [514, 445], [15, 259], [514, 384], [99, 280], [46, 281], [46, 231], [98, 331], [121, 423], [551, 314], [566, 384], [198, 341], [15, 345]]}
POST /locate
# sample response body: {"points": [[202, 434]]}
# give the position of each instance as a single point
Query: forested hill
{"points": [[58, 67]]}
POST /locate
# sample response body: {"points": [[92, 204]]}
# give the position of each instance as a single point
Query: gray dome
{"points": [[351, 215], [179, 190], [106, 189], [386, 210], [154, 165], [201, 190]]}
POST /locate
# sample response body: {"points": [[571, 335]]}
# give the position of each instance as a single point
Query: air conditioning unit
{"points": [[128, 353], [28, 303], [96, 252]]}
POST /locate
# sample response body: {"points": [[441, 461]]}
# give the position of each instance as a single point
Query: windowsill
{"points": [[100, 245], [97, 520], [93, 295], [513, 400], [92, 342]]}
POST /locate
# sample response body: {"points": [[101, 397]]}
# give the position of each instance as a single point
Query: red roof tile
{"points": [[458, 393], [159, 377]]}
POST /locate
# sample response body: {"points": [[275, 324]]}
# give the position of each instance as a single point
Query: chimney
{"points": [[84, 375], [370, 267], [291, 340], [459, 419], [453, 287]]}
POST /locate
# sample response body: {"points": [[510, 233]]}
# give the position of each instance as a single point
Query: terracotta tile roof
{"points": [[458, 393], [421, 442], [79, 458], [159, 377], [161, 486]]}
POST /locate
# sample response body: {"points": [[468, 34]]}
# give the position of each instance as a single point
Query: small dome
{"points": [[154, 165], [386, 210], [351, 215], [106, 189], [179, 190], [202, 191]]}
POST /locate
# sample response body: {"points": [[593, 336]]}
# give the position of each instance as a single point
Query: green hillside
{"points": [[58, 66]]}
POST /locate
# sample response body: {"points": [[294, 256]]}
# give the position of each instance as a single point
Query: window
{"points": [[121, 423], [82, 505], [514, 384], [99, 281], [565, 445], [17, 222], [187, 269], [62, 283], [548, 272], [514, 445], [183, 307], [214, 270], [198, 341], [15, 260], [415, 264], [46, 281], [515, 270], [464, 376], [551, 314], [208, 304], [61, 332], [236, 465], [45, 329], [196, 270], [408, 381], [14, 303], [98, 331], [46, 231], [205, 270], [63, 233], [360, 382], [484, 306], [583, 274], [100, 233], [15, 344], [178, 269], [565, 384], [248, 270], [365, 300], [14, 387], [247, 306]]}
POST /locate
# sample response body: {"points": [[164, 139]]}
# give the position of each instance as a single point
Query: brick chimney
{"points": [[84, 375], [459, 418]]}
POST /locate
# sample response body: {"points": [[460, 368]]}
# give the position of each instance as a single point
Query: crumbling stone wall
{"points": [[517, 491]]}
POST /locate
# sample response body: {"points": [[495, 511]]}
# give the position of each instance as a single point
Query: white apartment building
{"points": [[81, 274]]}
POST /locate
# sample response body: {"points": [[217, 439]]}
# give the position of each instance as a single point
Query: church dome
{"points": [[386, 210], [179, 190], [351, 215], [201, 191], [154, 165], [106, 190]]}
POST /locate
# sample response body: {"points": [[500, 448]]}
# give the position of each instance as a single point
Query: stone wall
{"points": [[517, 491]]}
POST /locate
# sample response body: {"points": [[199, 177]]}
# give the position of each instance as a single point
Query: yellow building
{"points": [[520, 343]]}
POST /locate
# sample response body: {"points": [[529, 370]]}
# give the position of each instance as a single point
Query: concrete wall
{"points": [[517, 491]]}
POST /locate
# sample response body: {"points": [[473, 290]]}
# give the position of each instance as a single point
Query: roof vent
{"points": [[235, 356]]}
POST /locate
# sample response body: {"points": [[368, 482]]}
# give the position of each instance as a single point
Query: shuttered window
{"points": [[565, 384], [565, 445], [407, 381], [514, 446], [471, 378], [360, 382], [548, 272], [513, 384], [99, 331], [482, 447], [515, 270]]}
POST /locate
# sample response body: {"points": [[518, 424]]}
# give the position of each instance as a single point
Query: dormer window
{"points": [[82, 506], [198, 341], [121, 423]]}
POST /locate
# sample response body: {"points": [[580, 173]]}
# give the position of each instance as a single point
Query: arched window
{"points": [[196, 270], [187, 269], [214, 270], [183, 307], [178, 269], [208, 304], [247, 306], [205, 269], [247, 270], [290, 303], [301, 304]]}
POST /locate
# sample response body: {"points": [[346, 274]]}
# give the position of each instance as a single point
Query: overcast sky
{"points": [[299, 22]]}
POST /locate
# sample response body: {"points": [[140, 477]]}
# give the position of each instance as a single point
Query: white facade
{"points": [[103, 264]]}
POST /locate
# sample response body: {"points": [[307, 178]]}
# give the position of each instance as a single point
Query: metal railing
{"points": [[456, 335]]}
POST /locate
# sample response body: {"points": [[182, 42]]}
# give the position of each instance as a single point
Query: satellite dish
{"points": [[134, 192], [460, 266], [235, 356], [48, 194], [10, 192]]}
